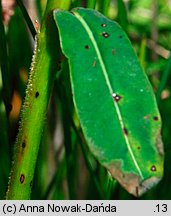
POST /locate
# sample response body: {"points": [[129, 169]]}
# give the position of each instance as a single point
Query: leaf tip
{"points": [[132, 182]]}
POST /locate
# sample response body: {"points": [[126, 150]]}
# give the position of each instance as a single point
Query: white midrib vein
{"points": [[89, 32]]}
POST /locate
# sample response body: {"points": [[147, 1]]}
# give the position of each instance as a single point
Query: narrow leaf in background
{"points": [[5, 96], [122, 15], [113, 98]]}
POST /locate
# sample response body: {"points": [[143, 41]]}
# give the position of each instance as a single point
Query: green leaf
{"points": [[113, 98]]}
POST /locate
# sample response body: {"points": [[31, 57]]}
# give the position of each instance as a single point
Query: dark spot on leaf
{"points": [[23, 144], [37, 95], [113, 51], [31, 183], [22, 178], [87, 47], [153, 168], [125, 131], [116, 97], [120, 36], [138, 147], [103, 24], [105, 34], [155, 118]]}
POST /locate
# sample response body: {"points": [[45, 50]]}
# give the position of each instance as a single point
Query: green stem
{"points": [[35, 106]]}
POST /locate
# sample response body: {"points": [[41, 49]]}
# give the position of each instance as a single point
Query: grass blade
{"points": [[6, 92], [122, 15], [164, 78], [27, 18], [103, 6], [91, 4]]}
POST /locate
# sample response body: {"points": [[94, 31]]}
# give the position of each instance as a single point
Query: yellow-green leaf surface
{"points": [[113, 98]]}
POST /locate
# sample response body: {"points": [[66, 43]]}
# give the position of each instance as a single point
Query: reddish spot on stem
{"points": [[37, 95], [22, 179], [23, 144]]}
